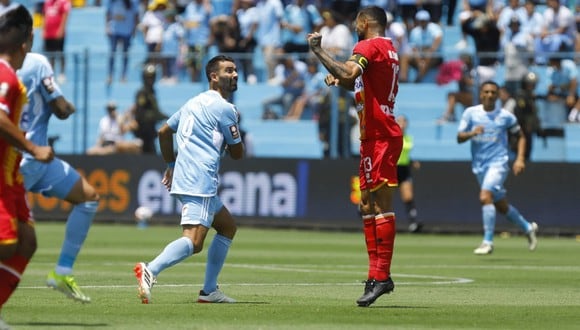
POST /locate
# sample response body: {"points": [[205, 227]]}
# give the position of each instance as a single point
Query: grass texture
{"points": [[291, 279]]}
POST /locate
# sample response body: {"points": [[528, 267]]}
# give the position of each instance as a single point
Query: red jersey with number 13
{"points": [[376, 89]]}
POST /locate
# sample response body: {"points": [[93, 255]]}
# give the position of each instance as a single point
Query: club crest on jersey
{"points": [[235, 132], [48, 84], [4, 89]]}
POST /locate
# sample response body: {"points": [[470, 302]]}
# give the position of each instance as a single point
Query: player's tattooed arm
{"points": [[343, 74]]}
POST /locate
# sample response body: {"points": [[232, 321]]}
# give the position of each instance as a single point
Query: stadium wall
{"points": [[323, 194]]}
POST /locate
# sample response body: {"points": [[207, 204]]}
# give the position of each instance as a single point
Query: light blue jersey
{"points": [[489, 149], [38, 77], [57, 177], [203, 126]]}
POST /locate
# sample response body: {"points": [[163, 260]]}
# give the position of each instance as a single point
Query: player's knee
{"points": [[197, 246], [365, 208]]}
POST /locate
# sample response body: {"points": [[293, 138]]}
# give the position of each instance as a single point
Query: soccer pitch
{"points": [[290, 279]]}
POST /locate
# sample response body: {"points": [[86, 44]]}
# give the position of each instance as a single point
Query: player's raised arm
{"points": [[341, 73]]}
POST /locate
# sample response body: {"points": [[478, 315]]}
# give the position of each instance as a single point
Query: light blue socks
{"points": [[515, 217], [173, 253], [488, 213], [216, 256], [77, 228]]}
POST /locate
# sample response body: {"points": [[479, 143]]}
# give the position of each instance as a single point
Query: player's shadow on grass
{"points": [[61, 324]]}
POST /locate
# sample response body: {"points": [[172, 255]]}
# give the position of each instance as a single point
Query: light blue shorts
{"points": [[197, 210], [55, 179], [493, 179]]}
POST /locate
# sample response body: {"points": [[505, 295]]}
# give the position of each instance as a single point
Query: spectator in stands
{"points": [[225, 34], [405, 167], [504, 18], [489, 150], [290, 75], [122, 17], [112, 129], [348, 8], [407, 9], [425, 41], [397, 31], [196, 20], [434, 8], [56, 14], [472, 8], [563, 85], [145, 110], [531, 21], [464, 94], [152, 25], [558, 32], [451, 6], [173, 49], [483, 29], [526, 110], [299, 19], [337, 38], [313, 97], [247, 18], [268, 34], [518, 47]]}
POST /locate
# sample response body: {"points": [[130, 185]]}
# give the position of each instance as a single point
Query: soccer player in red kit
{"points": [[372, 73], [17, 235]]}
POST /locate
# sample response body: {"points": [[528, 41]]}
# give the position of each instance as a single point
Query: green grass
{"points": [[289, 279]]}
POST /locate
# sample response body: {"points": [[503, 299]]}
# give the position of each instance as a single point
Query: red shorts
{"points": [[13, 208], [378, 163]]}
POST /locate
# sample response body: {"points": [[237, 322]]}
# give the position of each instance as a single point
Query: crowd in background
{"points": [[180, 35]]}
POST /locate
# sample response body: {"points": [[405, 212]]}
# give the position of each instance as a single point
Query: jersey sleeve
{"points": [[49, 89], [360, 55], [173, 121], [465, 122], [229, 125], [513, 125]]}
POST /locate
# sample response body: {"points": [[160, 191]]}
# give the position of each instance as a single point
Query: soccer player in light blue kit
{"points": [[487, 126], [206, 127], [56, 178]]}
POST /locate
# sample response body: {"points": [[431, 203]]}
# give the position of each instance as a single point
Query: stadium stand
{"points": [[422, 103]]}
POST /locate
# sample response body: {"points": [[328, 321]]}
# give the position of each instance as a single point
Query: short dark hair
{"points": [[15, 28], [376, 13], [213, 64], [489, 82]]}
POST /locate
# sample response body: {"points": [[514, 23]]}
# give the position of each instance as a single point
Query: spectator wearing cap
{"points": [[152, 25], [110, 138], [425, 41]]}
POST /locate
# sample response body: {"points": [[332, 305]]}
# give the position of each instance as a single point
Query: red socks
{"points": [[379, 234], [11, 270], [370, 239]]}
